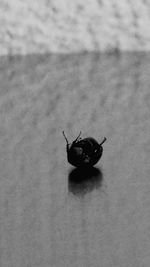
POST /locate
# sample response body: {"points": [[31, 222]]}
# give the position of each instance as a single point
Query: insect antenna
{"points": [[103, 141]]}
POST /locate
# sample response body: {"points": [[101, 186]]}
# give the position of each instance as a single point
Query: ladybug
{"points": [[84, 152]]}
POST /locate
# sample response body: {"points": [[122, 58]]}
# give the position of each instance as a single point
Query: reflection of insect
{"points": [[84, 152]]}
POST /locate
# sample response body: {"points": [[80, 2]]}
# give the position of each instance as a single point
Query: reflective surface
{"points": [[50, 213], [82, 181]]}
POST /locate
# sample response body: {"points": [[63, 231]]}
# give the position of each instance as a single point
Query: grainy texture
{"points": [[72, 26], [46, 219]]}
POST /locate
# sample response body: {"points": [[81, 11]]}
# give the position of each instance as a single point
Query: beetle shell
{"points": [[84, 152]]}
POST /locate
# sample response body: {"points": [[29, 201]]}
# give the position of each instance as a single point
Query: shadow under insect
{"points": [[84, 180]]}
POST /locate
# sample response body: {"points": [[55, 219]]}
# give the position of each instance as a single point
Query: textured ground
{"points": [[71, 26], [46, 218]]}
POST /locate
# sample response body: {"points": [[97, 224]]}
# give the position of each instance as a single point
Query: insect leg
{"points": [[103, 141], [65, 138], [77, 137]]}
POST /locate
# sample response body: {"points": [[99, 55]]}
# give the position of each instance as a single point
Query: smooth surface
{"points": [[73, 26], [48, 218]]}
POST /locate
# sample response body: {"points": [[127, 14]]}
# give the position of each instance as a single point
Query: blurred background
{"points": [[74, 66], [73, 26]]}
